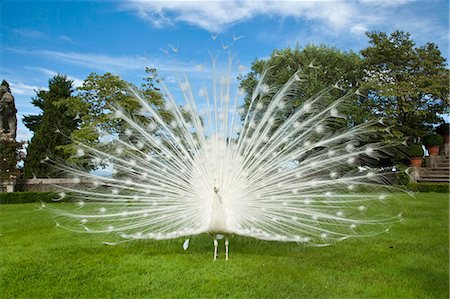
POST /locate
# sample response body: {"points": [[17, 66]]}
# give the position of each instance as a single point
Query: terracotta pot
{"points": [[416, 161], [433, 150]]}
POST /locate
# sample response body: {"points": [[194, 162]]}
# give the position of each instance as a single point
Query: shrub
{"points": [[9, 157], [415, 150], [27, 197], [433, 140], [429, 187]]}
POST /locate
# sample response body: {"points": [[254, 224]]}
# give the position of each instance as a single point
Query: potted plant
{"points": [[415, 155], [433, 142]]}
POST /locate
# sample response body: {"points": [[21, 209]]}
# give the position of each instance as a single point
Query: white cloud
{"points": [[35, 34], [110, 63], [217, 15], [98, 61], [50, 73], [330, 17], [66, 39], [358, 29], [76, 82], [23, 89], [390, 3], [30, 33]]}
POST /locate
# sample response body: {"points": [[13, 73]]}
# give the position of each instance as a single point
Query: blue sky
{"points": [[42, 38]]}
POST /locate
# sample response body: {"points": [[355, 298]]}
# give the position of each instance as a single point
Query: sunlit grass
{"points": [[39, 260]]}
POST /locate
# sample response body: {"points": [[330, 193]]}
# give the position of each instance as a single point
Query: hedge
{"points": [[428, 187], [30, 197], [27, 197]]}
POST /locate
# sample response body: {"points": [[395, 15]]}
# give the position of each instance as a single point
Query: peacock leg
{"points": [[226, 248], [216, 245]]}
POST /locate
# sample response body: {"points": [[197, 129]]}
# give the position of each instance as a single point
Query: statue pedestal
{"points": [[414, 175], [10, 187]]}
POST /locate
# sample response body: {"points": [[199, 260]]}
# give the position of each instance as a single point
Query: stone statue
{"points": [[7, 112]]}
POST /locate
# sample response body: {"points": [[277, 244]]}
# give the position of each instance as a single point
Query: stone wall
{"points": [[38, 185]]}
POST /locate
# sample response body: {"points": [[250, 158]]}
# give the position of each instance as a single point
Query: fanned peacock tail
{"points": [[270, 174]]}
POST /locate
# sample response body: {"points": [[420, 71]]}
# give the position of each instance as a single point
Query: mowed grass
{"points": [[38, 260]]}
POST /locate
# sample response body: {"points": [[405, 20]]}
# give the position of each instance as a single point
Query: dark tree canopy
{"points": [[51, 127], [32, 122], [10, 155]]}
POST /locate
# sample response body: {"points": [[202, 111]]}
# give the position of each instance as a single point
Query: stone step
{"points": [[442, 166], [443, 170], [434, 173], [433, 180], [440, 169], [437, 171], [443, 175], [435, 177]]}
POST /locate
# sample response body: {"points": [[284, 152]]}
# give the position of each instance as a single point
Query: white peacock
{"points": [[224, 174]]}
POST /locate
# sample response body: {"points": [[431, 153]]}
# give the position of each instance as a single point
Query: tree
{"points": [[95, 106], [51, 127], [406, 85], [322, 66], [101, 94]]}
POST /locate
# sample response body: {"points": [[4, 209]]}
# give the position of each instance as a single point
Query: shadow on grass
{"points": [[203, 245]]}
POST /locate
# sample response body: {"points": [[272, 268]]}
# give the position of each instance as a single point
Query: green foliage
{"points": [[99, 98], [27, 197], [433, 140], [9, 157], [323, 66], [406, 85], [51, 127], [415, 150], [429, 187], [101, 95], [32, 122]]}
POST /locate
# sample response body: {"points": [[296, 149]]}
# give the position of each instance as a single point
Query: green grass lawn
{"points": [[38, 260]]}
